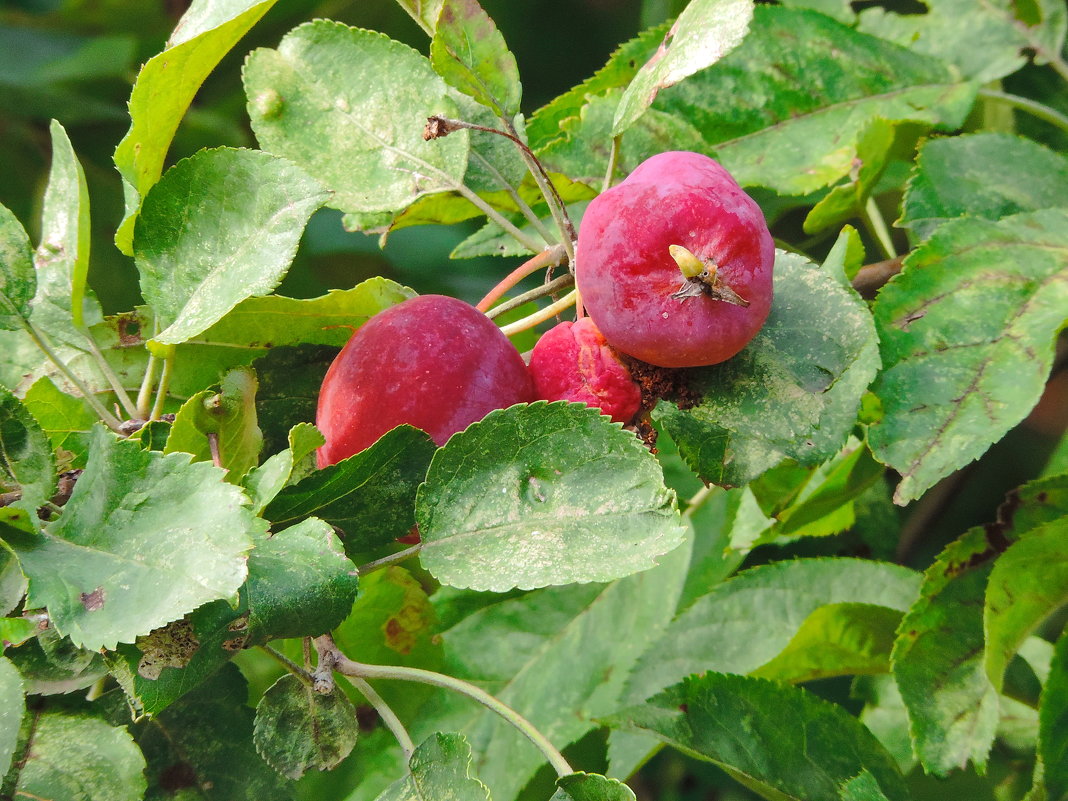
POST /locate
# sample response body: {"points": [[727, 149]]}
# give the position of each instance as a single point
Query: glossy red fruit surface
{"points": [[433, 362], [573, 362], [630, 283]]}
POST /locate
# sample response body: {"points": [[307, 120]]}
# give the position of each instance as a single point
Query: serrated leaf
{"points": [[12, 706], [165, 87], [370, 496], [554, 655], [14, 631], [989, 175], [492, 240], [26, 460], [62, 306], [297, 728], [966, 335], [439, 768], [230, 417], [862, 787], [300, 583], [290, 380], [543, 494], [286, 467], [470, 54], [846, 256], [424, 12], [836, 640], [777, 740], [885, 716], [793, 392], [65, 419], [219, 227], [747, 621], [188, 530], [591, 787], [81, 759], [187, 750], [308, 101], [1053, 724], [18, 281], [12, 580], [704, 33], [996, 38], [1028, 582]]}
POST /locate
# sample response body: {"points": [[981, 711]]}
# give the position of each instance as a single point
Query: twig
{"points": [[550, 288], [213, 446], [540, 316], [871, 277], [389, 717], [288, 664], [386, 561], [333, 659], [547, 258]]}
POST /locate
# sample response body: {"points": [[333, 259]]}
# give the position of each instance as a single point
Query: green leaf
{"points": [[885, 716], [65, 419], [12, 706], [996, 38], [165, 87], [51, 664], [81, 759], [1053, 724], [297, 728], [144, 538], [747, 621], [704, 33], [555, 655], [18, 281], [187, 750], [862, 787], [1027, 583], [846, 256], [12, 580], [777, 740], [591, 787], [171, 661], [543, 494], [470, 54], [846, 201], [988, 175], [219, 227], [300, 583], [439, 768], [308, 101], [230, 417], [26, 460], [966, 335], [836, 640], [392, 622], [286, 467], [15, 631], [370, 496], [938, 659], [62, 307], [424, 12], [792, 393]]}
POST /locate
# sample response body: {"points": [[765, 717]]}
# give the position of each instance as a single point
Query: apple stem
{"points": [[549, 257], [613, 157], [540, 316], [565, 281], [332, 660]]}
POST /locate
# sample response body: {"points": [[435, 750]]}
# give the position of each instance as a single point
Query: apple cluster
{"points": [[673, 267]]}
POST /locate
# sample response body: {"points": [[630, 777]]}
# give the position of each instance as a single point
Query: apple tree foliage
{"points": [[191, 609]]}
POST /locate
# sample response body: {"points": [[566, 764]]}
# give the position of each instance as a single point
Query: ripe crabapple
{"points": [[573, 362], [433, 362], [675, 263]]}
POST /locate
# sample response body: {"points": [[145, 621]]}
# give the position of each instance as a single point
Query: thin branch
{"points": [[386, 561], [1032, 107], [871, 277], [288, 664], [550, 311], [105, 368], [513, 193], [333, 659], [389, 717], [213, 446], [547, 258], [549, 288], [163, 388]]}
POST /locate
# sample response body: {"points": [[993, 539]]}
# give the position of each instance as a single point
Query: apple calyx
{"points": [[702, 278]]}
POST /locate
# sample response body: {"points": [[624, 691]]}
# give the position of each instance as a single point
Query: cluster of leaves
{"points": [[556, 570]]}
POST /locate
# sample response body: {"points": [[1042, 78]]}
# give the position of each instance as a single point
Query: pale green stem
{"points": [[163, 388], [105, 368], [144, 395], [329, 655], [613, 156], [386, 561], [288, 664], [524, 208], [551, 288], [550, 311], [1032, 107], [876, 225], [38, 338], [699, 499], [388, 716]]}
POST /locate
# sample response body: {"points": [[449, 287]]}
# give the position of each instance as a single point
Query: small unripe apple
{"points": [[433, 362], [573, 362], [674, 264]]}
